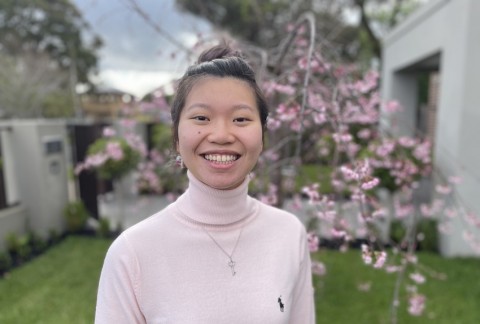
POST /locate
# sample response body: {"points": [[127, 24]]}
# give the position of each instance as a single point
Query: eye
{"points": [[241, 120], [200, 118]]}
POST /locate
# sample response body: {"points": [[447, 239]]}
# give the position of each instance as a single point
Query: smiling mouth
{"points": [[221, 158]]}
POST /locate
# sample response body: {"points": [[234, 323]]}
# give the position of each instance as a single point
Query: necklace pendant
{"points": [[231, 264]]}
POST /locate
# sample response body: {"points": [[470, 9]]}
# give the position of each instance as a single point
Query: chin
{"points": [[220, 185]]}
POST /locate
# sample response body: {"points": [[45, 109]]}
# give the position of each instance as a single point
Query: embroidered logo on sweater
{"points": [[280, 303]]}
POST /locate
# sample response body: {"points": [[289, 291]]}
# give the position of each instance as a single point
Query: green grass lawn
{"points": [[57, 287], [455, 300], [60, 287]]}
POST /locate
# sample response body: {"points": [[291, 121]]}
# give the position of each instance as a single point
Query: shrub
{"points": [[5, 262], [114, 168], [53, 237], [76, 216], [104, 227], [397, 231], [19, 247], [427, 234], [37, 243], [428, 229]]}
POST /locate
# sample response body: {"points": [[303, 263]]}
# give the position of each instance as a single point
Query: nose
{"points": [[221, 133]]}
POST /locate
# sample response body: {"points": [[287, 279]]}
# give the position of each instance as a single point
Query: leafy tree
{"points": [[28, 84], [53, 27], [264, 22]]}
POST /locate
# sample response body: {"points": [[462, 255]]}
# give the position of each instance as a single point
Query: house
{"points": [[35, 161], [440, 44], [104, 103]]}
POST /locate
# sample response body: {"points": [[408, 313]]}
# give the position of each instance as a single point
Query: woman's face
{"points": [[220, 132]]}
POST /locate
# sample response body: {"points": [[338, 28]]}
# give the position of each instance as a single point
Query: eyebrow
{"points": [[205, 106]]}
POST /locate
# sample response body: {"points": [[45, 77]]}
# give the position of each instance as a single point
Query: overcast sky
{"points": [[135, 58]]}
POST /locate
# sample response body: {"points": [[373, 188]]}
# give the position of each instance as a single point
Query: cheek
{"points": [[257, 142], [188, 138]]}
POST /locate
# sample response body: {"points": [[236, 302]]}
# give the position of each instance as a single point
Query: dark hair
{"points": [[219, 61]]}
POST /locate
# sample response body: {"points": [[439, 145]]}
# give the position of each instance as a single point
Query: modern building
{"points": [[439, 44]]}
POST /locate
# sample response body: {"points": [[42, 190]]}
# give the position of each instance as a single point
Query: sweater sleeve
{"points": [[303, 310], [117, 299]]}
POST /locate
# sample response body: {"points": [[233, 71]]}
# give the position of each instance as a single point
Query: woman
{"points": [[216, 255]]}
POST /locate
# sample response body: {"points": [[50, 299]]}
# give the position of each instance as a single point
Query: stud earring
{"points": [[179, 162]]}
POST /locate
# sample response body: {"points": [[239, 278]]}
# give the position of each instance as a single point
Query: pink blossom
{"points": [[109, 132], [273, 124], [423, 152], [318, 268], [285, 89], [319, 118], [416, 304], [379, 213], [312, 192], [342, 138], [381, 258], [445, 228], [450, 212], [385, 149], [128, 123], [136, 143], [407, 142], [327, 215], [313, 242], [428, 211], [95, 160], [455, 180], [366, 254], [364, 133], [444, 190], [417, 277], [156, 157], [352, 149], [368, 83], [392, 106], [349, 174], [338, 233], [392, 268], [114, 151], [411, 258], [271, 198], [402, 211], [370, 184]]}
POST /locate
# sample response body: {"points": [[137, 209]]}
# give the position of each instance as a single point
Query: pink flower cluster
{"points": [[318, 268], [416, 304], [113, 151], [313, 242], [377, 258], [148, 179]]}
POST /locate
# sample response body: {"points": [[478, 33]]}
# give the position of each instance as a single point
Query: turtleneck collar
{"points": [[214, 209]]}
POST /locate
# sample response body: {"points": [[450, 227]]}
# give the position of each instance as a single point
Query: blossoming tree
{"points": [[327, 114]]}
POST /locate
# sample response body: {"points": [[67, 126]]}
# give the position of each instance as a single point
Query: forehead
{"points": [[218, 90]]}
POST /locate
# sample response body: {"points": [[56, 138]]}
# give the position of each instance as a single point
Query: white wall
{"points": [[41, 179], [450, 29]]}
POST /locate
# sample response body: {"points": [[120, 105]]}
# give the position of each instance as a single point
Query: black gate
{"points": [[89, 185]]}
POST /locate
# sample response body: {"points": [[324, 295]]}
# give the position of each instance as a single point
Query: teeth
{"points": [[220, 158]]}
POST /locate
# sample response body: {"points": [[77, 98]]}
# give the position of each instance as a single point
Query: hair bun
{"points": [[217, 52]]}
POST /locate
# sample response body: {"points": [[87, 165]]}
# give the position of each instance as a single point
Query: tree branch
{"points": [[364, 22], [137, 9]]}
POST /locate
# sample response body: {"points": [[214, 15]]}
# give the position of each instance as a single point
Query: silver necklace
{"points": [[231, 262]]}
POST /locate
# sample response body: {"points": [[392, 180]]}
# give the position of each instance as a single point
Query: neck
{"points": [[215, 209]]}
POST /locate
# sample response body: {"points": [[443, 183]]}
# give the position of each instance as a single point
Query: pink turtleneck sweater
{"points": [[167, 269]]}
